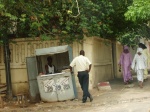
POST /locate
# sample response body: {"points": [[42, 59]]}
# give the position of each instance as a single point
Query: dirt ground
{"points": [[120, 98]]}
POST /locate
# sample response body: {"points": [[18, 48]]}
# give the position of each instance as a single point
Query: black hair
{"points": [[49, 58], [144, 46], [82, 52], [140, 45]]}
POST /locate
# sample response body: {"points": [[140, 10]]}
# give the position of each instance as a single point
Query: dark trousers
{"points": [[84, 82]]}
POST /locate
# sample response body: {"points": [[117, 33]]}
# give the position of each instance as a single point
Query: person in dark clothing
{"points": [[49, 67], [83, 66]]}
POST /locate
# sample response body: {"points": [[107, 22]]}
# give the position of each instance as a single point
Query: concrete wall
{"points": [[119, 50], [19, 51], [99, 53], [147, 43]]}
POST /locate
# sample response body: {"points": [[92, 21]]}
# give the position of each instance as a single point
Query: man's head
{"points": [[82, 52], [49, 59]]}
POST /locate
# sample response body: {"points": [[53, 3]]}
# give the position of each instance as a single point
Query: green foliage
{"points": [[124, 30], [134, 15], [144, 31], [67, 20], [119, 22], [96, 18], [139, 11], [132, 37], [129, 38], [49, 19]]}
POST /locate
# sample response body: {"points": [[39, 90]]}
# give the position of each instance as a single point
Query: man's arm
{"points": [[72, 64], [55, 70], [89, 63], [90, 67], [70, 69], [46, 69]]}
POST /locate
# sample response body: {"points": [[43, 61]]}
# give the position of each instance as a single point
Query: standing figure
{"points": [[83, 66], [49, 67], [147, 55], [125, 63], [139, 64]]}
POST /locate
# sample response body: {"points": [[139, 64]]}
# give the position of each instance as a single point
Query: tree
{"points": [[138, 12], [123, 30], [67, 20], [129, 20], [119, 22]]}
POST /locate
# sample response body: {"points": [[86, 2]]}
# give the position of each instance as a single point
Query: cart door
{"points": [[73, 76], [32, 71]]}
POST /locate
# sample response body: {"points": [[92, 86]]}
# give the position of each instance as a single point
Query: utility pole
{"points": [[7, 68]]}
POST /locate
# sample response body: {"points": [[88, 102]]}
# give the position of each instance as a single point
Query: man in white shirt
{"points": [[83, 66]]}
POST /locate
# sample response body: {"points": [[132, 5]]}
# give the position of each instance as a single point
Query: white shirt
{"points": [[139, 62], [81, 62], [51, 69]]}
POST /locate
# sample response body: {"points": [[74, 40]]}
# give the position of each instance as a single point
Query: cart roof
{"points": [[51, 50]]}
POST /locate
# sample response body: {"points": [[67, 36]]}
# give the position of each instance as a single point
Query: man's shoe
{"points": [[83, 101], [91, 98]]}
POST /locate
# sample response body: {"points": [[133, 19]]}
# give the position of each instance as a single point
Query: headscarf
{"points": [[125, 49], [139, 50]]}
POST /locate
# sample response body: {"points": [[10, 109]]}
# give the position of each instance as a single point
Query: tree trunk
{"points": [[7, 69]]}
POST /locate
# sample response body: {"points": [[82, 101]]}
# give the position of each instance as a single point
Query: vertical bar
{"points": [[7, 69], [73, 77]]}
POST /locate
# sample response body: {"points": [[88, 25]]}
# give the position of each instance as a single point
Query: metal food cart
{"points": [[51, 87]]}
